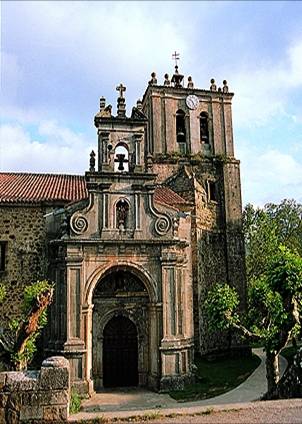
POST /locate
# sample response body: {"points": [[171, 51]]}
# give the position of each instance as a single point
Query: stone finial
{"points": [[121, 102], [177, 78], [167, 82], [225, 88], [213, 86], [102, 103], [219, 90], [92, 162], [153, 80], [149, 163], [190, 83], [139, 104]]}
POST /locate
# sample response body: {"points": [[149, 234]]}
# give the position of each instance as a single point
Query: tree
{"points": [[19, 346], [274, 308], [265, 229]]}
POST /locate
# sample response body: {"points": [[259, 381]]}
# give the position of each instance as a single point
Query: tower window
{"points": [[212, 191], [204, 127], [2, 255], [121, 158], [122, 214], [181, 131]]}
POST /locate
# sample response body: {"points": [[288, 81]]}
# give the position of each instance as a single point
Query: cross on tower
{"points": [[175, 56], [121, 89]]}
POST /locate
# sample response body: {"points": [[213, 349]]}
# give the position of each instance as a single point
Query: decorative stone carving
{"points": [[190, 83], [119, 281], [153, 80], [102, 103], [92, 162], [167, 82], [213, 86], [225, 88], [162, 222], [78, 224]]}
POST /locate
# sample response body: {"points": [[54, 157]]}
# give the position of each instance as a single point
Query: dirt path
{"points": [[272, 412]]}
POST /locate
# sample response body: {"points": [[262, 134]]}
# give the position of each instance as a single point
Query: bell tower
{"points": [[190, 138]]}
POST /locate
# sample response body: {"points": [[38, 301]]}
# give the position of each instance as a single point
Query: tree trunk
{"points": [[31, 325], [272, 370], [290, 385]]}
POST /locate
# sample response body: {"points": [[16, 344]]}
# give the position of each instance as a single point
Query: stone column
{"points": [[87, 320], [74, 347]]}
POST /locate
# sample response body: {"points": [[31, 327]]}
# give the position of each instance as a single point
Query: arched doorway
{"points": [[120, 330], [120, 353]]}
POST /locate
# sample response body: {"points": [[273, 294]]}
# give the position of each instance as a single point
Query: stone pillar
{"points": [[74, 347], [87, 318]]}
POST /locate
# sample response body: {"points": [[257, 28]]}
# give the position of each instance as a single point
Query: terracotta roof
{"points": [[33, 188], [167, 196], [22, 187]]}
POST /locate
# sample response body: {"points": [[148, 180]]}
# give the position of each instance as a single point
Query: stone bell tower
{"points": [[190, 138]]}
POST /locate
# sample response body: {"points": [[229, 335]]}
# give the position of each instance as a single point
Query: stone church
{"points": [[134, 245]]}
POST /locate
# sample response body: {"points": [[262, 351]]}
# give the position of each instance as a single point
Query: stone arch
{"points": [[119, 302], [138, 270]]}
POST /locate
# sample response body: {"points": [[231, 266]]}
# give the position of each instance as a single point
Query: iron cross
{"points": [[175, 56], [121, 89]]}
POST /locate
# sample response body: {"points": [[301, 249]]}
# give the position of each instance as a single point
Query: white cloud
{"points": [[263, 91], [269, 176], [62, 151]]}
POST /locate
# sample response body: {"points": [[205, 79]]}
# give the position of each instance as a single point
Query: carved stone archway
{"points": [[120, 294]]}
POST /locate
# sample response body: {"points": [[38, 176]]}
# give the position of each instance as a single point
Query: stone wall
{"points": [[23, 230], [36, 395]]}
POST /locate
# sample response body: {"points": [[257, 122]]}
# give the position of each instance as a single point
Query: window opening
{"points": [[212, 191], [2, 255], [204, 128], [181, 131]]}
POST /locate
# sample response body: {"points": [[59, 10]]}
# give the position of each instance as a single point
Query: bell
{"points": [[180, 133]]}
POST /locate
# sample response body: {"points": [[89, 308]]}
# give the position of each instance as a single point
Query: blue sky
{"points": [[58, 58]]}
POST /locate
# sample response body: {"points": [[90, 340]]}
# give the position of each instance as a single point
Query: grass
{"points": [[75, 402], [216, 377]]}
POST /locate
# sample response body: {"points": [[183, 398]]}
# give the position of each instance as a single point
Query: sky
{"points": [[58, 58]]}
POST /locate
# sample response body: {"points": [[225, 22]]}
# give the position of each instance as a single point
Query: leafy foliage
{"points": [[274, 306], [265, 229], [75, 402], [220, 305]]}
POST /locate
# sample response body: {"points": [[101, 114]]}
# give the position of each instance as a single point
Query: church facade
{"points": [[153, 224]]}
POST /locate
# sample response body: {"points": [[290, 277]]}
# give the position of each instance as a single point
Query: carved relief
{"points": [[163, 222], [78, 224]]}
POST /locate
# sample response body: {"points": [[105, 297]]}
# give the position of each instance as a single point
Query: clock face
{"points": [[192, 101]]}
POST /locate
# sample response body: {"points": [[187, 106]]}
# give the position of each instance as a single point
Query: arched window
{"points": [[121, 158], [181, 131], [204, 128], [122, 214]]}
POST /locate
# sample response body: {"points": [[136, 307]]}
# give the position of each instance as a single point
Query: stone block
{"points": [[55, 413], [2, 415], [2, 379], [31, 413], [3, 400], [54, 374], [31, 398]]}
